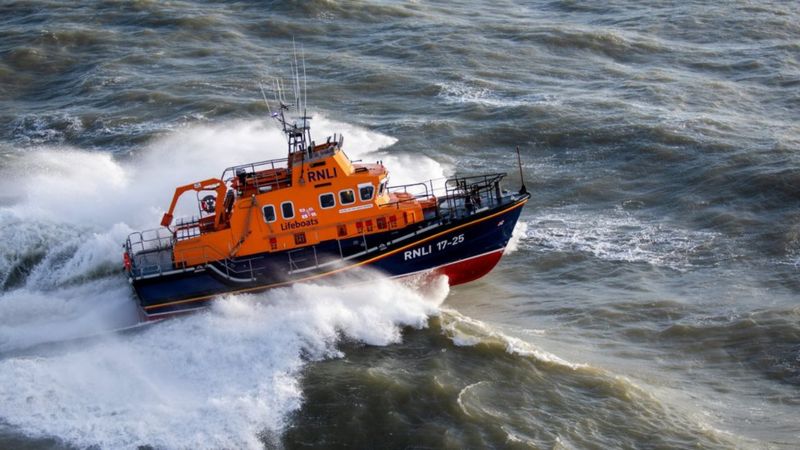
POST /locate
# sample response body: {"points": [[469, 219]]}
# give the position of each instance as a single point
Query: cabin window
{"points": [[287, 210], [327, 200], [381, 188], [366, 191], [269, 213], [347, 196]]}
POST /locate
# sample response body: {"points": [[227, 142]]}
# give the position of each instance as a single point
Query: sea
{"points": [[649, 299]]}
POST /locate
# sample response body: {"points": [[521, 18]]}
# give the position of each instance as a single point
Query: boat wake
{"points": [[224, 378]]}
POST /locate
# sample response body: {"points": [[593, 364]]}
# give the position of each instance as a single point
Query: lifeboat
{"points": [[312, 216]]}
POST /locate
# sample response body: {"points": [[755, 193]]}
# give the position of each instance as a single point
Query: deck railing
{"points": [[248, 172]]}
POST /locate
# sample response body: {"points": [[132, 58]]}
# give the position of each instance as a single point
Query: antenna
{"points": [[298, 135], [278, 92], [522, 190], [305, 93], [264, 96], [305, 80], [273, 115], [296, 74]]}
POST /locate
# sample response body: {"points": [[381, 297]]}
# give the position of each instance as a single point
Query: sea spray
{"points": [[88, 188], [222, 378], [520, 231]]}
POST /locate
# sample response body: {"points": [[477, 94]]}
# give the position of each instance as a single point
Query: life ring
{"points": [[208, 204]]}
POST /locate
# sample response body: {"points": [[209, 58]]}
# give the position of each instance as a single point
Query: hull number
{"points": [[430, 248]]}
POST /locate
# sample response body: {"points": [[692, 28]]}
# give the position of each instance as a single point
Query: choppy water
{"points": [[651, 300]]}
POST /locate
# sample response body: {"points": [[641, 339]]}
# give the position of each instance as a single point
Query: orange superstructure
{"points": [[316, 194]]}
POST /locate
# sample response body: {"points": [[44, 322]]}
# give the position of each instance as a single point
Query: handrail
{"points": [[406, 186], [160, 239], [488, 178], [271, 162], [468, 193]]}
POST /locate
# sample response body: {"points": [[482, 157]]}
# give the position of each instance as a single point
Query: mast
{"points": [[296, 129]]}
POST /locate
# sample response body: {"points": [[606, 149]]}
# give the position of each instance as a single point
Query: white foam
{"points": [[466, 332], [30, 316], [95, 189], [460, 92], [616, 235], [218, 379], [520, 231]]}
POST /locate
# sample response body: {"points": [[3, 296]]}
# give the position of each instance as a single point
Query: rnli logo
{"points": [[321, 174]]}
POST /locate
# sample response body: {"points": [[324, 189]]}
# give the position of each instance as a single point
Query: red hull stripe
{"points": [[477, 266], [470, 269]]}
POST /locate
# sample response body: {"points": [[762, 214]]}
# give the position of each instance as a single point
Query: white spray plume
{"points": [[218, 379]]}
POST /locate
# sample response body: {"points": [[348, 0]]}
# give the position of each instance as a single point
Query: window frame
{"points": [[282, 211], [348, 203], [334, 200], [363, 185], [274, 213]]}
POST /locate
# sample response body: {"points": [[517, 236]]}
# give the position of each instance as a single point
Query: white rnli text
{"points": [[430, 248]]}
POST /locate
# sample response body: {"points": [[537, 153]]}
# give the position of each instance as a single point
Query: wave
{"points": [[66, 211], [619, 236], [466, 331], [516, 380], [767, 341], [460, 92], [39, 129], [227, 377], [519, 232]]}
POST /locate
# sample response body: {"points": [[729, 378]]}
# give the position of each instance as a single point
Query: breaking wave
{"points": [[224, 378], [466, 331]]}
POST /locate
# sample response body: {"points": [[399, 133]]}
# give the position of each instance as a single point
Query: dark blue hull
{"points": [[463, 249]]}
